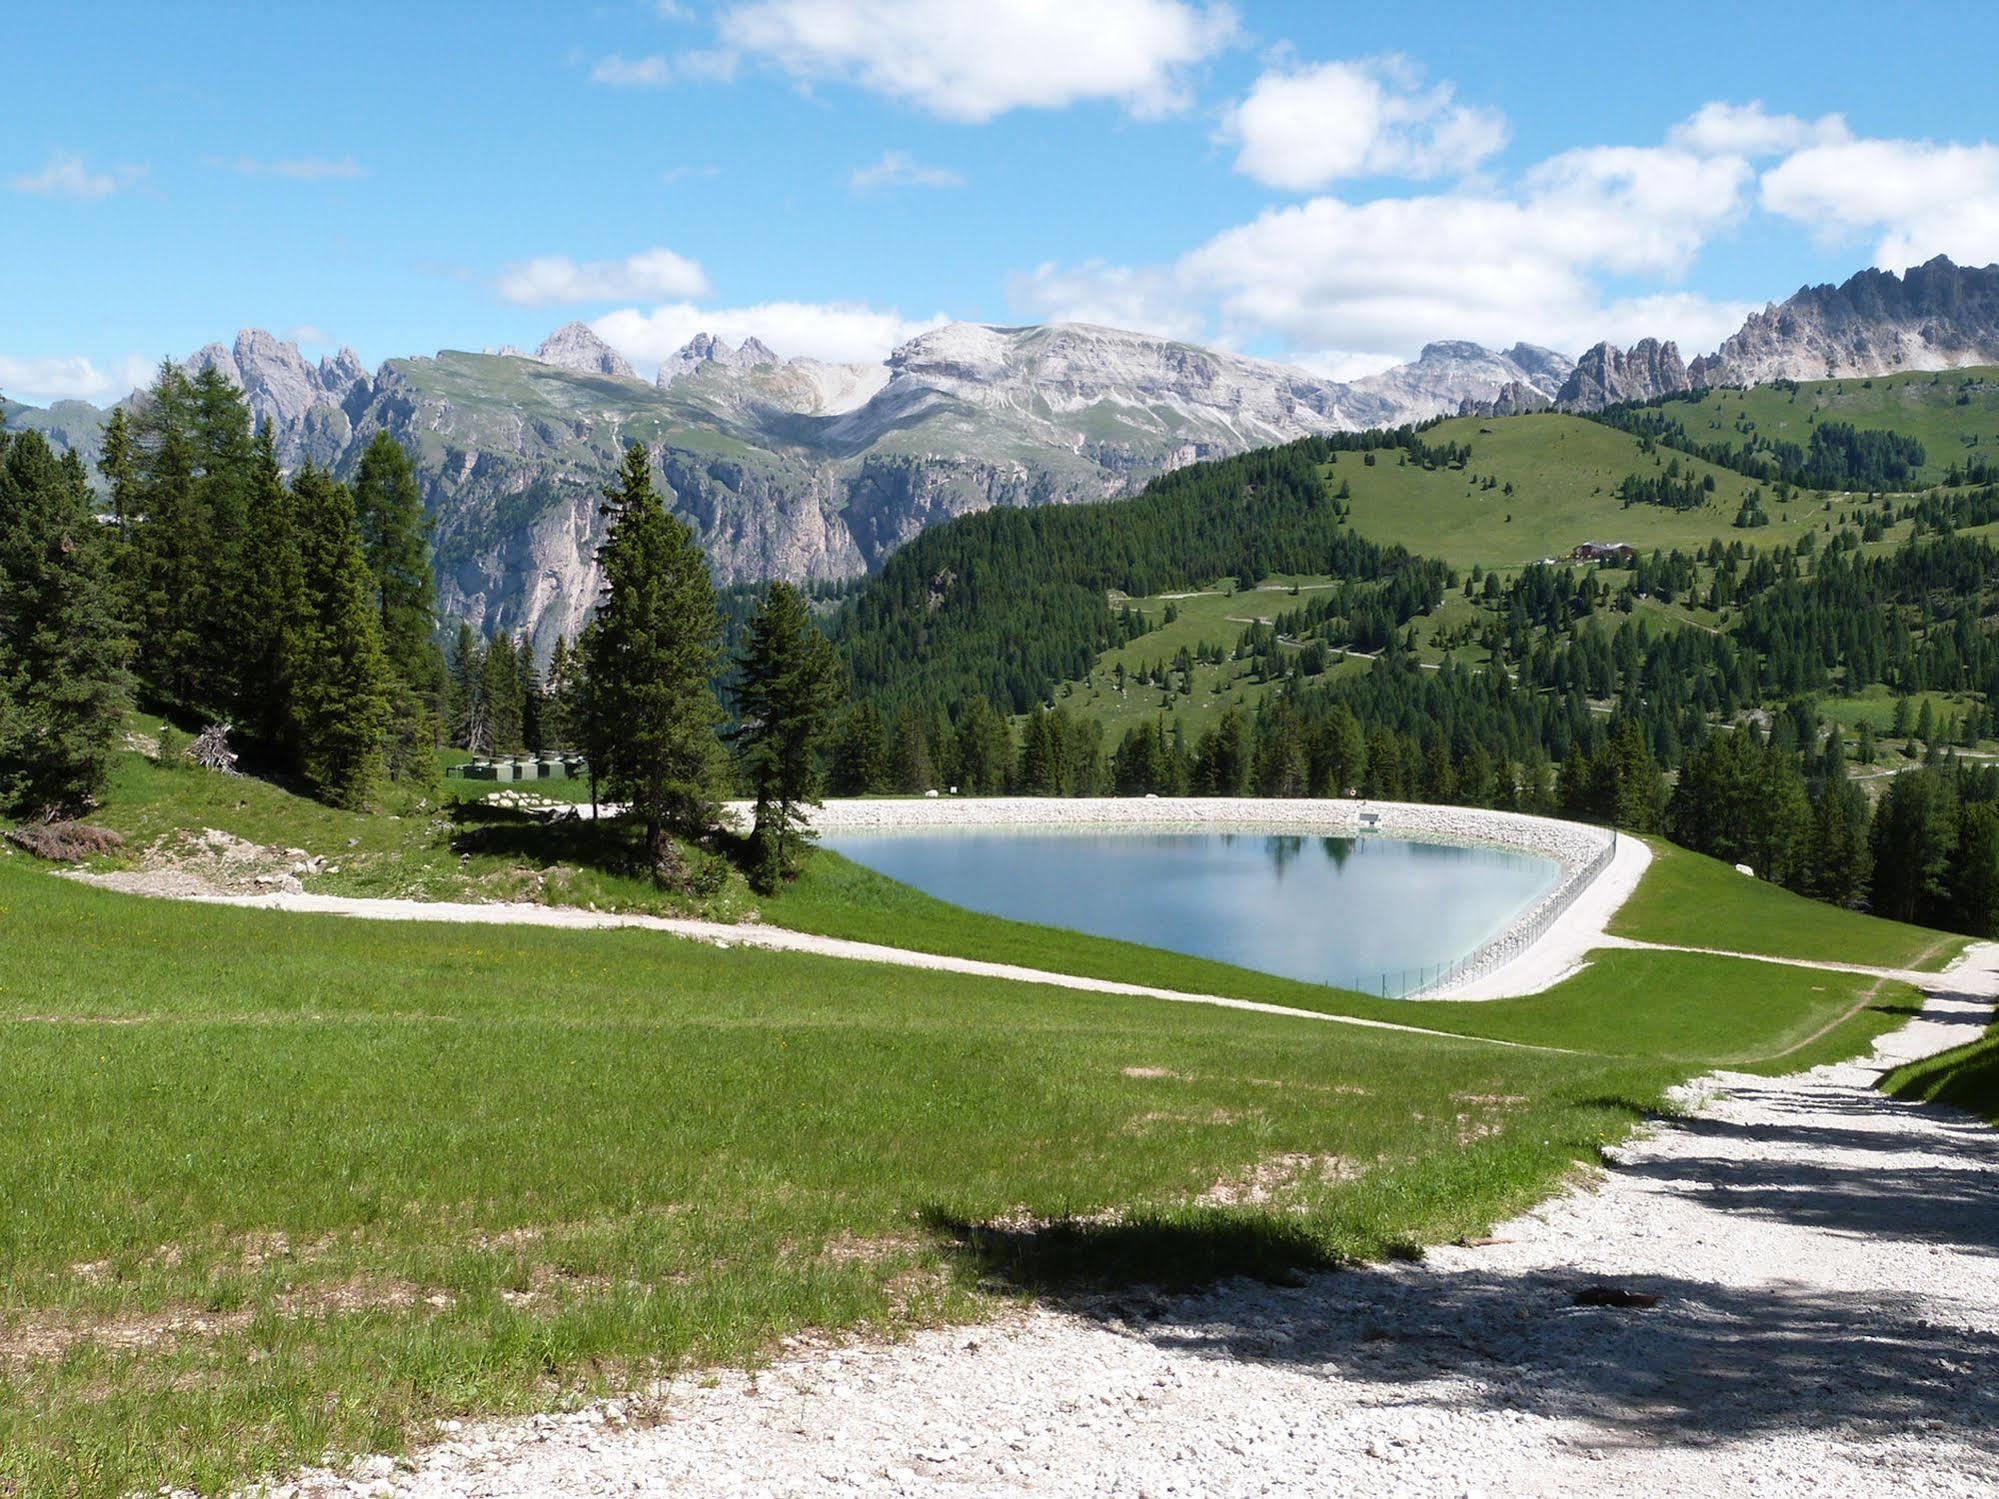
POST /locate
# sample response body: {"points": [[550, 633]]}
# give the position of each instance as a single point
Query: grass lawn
{"points": [[1692, 900], [1691, 1008], [277, 1184], [1967, 1078]]}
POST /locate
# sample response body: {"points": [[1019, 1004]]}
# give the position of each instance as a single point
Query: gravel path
{"points": [[1826, 1263]]}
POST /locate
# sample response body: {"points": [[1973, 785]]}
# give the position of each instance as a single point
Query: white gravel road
{"points": [[1826, 1264]]}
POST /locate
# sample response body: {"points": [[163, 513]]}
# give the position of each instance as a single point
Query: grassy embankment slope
{"points": [[278, 1184]]}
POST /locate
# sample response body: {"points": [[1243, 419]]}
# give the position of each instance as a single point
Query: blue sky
{"points": [[1325, 183]]}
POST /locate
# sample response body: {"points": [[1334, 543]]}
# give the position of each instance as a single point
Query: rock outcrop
{"points": [[1936, 316], [574, 346], [1606, 375], [304, 404], [1454, 377]]}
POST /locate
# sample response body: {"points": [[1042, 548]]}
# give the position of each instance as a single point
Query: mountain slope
{"points": [[810, 470]]}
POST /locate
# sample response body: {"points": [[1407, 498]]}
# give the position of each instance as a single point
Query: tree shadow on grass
{"points": [[483, 829]]}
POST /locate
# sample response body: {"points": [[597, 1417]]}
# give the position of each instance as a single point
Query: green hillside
{"points": [[1954, 414]]}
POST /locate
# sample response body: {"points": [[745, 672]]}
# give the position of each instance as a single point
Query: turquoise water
{"points": [[1361, 913]]}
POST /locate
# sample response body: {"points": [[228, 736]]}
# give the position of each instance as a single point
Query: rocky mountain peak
{"points": [[574, 346], [1452, 375], [1607, 375], [281, 387], [706, 348], [1938, 315]]}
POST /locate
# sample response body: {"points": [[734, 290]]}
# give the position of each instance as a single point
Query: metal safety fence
{"points": [[1509, 944]]}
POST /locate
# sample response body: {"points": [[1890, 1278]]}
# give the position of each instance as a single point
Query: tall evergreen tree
{"points": [[861, 760], [173, 568], [471, 724], [388, 506], [226, 459], [342, 677], [63, 688], [500, 690], [273, 594], [790, 688], [651, 656]]}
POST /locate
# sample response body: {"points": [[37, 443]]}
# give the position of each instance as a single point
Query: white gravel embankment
{"points": [[1826, 1264]]}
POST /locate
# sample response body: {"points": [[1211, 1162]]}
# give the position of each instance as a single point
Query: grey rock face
{"points": [[304, 404], [574, 347], [1605, 375], [706, 349], [1935, 316], [1466, 377]]}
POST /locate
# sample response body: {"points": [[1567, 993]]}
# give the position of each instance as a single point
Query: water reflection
{"points": [[1357, 912]]}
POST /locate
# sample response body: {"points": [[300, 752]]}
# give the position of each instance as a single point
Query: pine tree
{"points": [[651, 656], [341, 677], [791, 685], [63, 688]]}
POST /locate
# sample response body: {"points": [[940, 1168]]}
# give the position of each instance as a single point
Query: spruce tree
{"points": [[651, 656], [500, 690], [388, 507], [219, 430], [471, 728], [273, 595], [173, 568], [861, 760], [790, 687], [63, 689], [341, 676]]}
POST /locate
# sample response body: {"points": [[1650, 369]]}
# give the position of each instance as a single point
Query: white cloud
{"points": [[298, 169], [1636, 208], [1302, 128], [1923, 199], [1345, 285], [971, 61], [688, 173], [1144, 300], [1722, 129], [1338, 364], [655, 70], [632, 72], [309, 335], [900, 169], [554, 279], [838, 332], [70, 176], [70, 377]]}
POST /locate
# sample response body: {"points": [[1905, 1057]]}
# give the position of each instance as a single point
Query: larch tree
{"points": [[650, 655], [791, 686]]}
